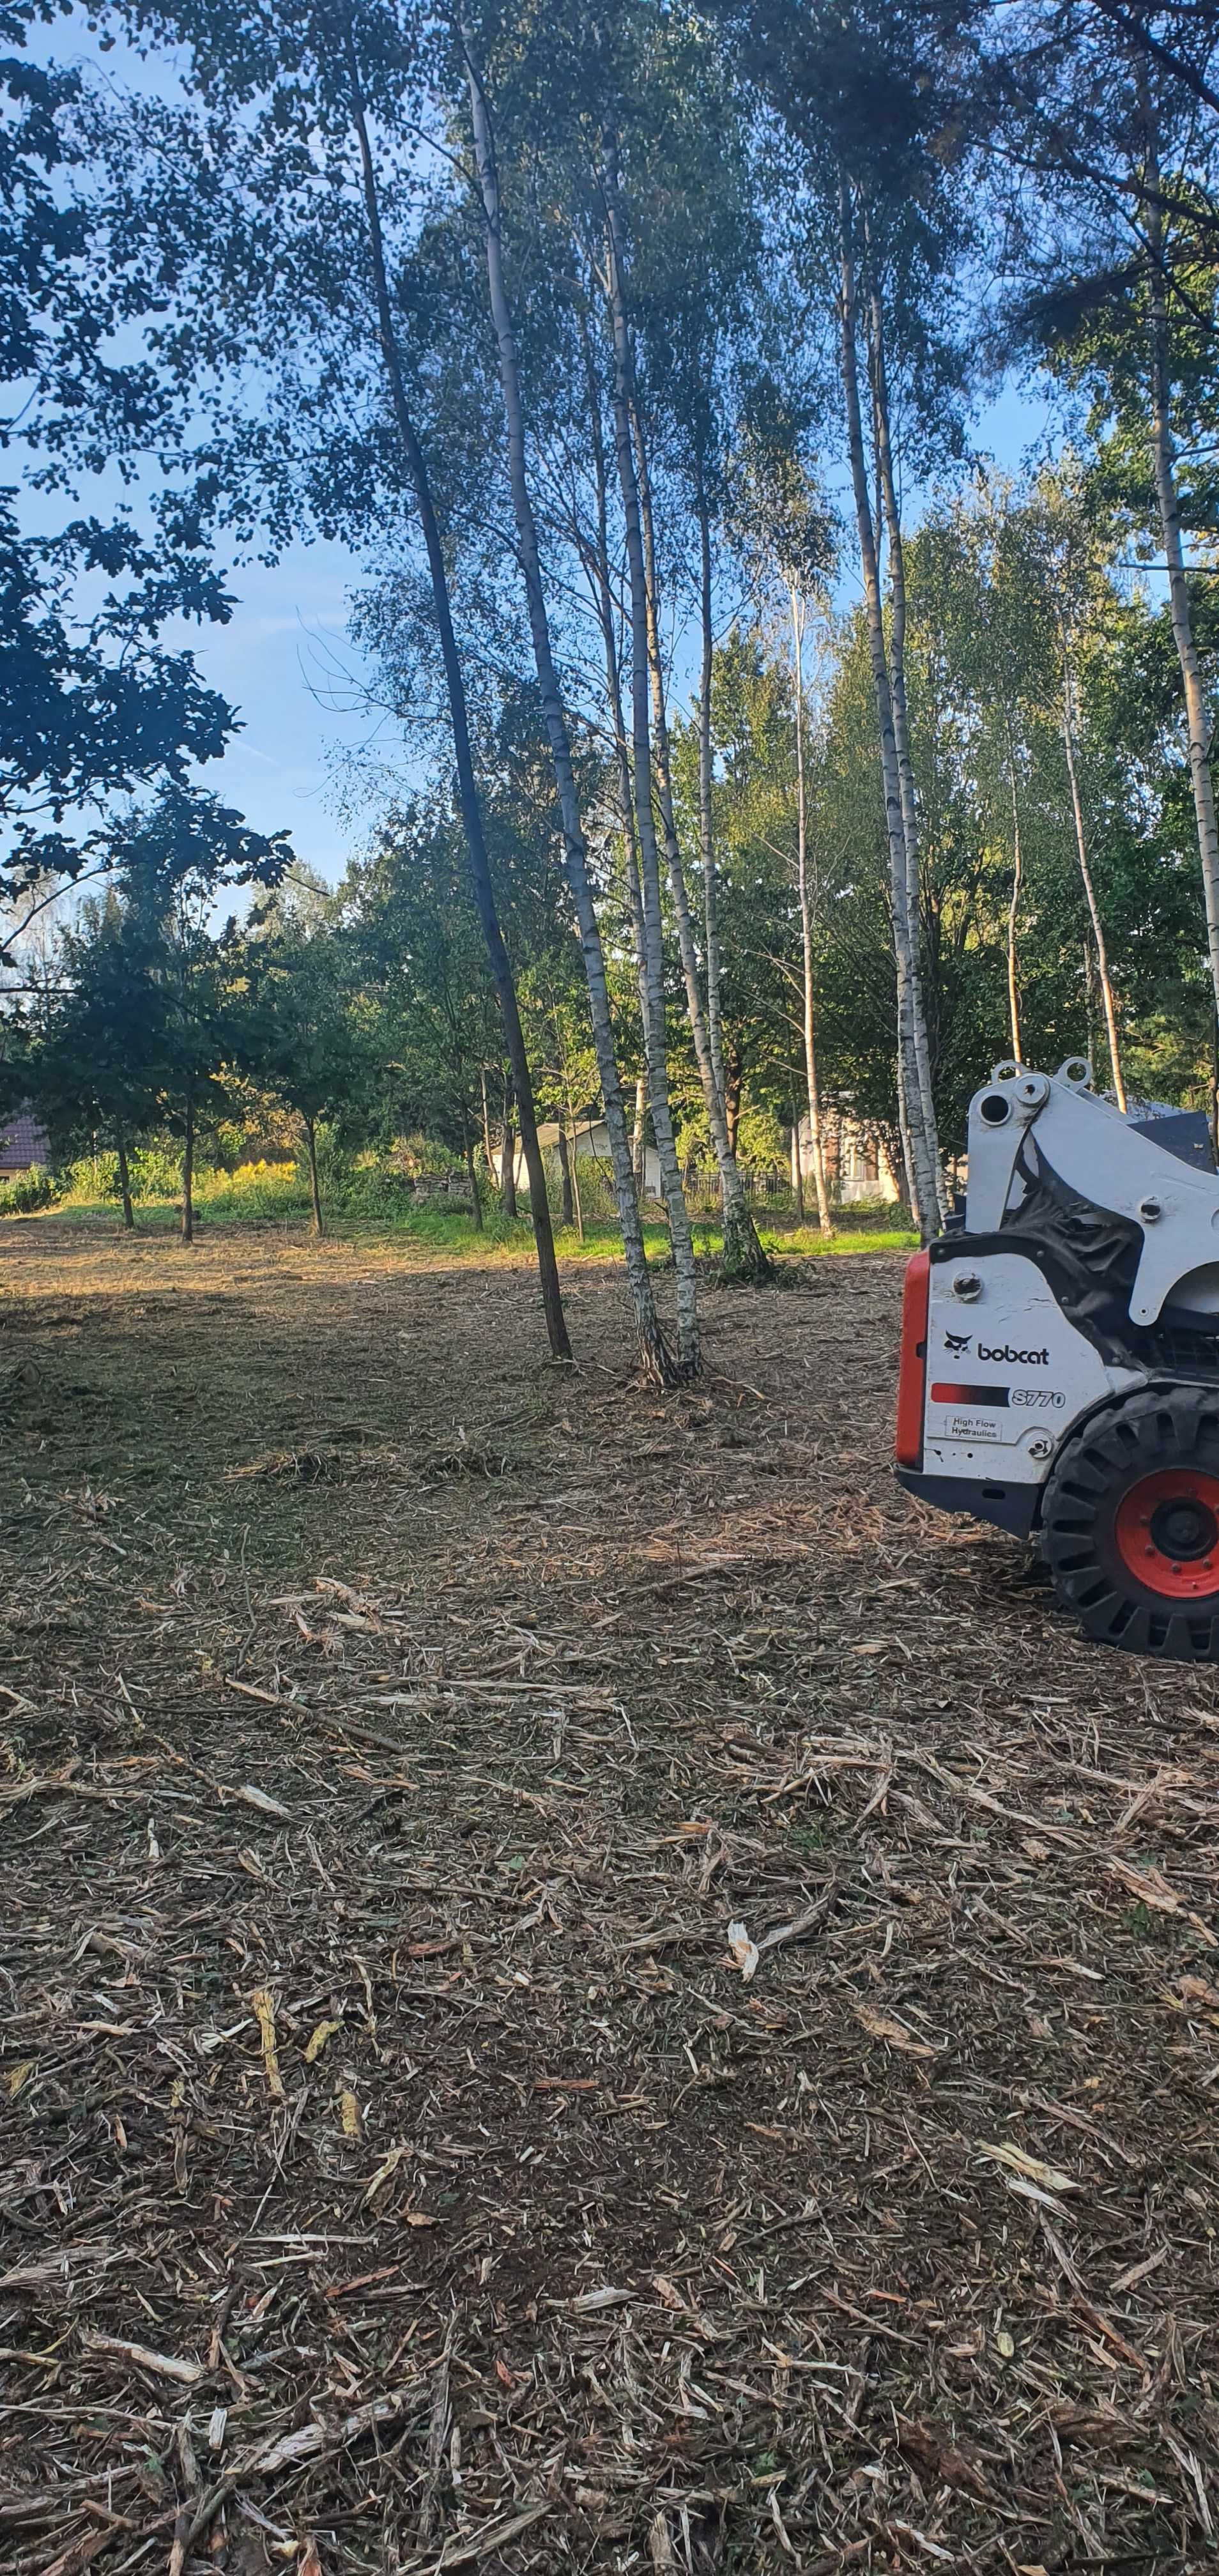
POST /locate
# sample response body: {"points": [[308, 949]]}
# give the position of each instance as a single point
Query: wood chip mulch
{"points": [[585, 1985]]}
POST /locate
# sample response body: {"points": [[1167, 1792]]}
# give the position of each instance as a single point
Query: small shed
{"points": [[591, 1141]]}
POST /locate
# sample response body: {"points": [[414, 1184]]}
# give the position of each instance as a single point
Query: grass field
{"points": [[276, 1198], [408, 1749]]}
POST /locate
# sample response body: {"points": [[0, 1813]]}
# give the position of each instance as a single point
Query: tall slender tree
{"points": [[919, 1144], [287, 83], [805, 895], [641, 746], [1160, 284], [651, 1339]]}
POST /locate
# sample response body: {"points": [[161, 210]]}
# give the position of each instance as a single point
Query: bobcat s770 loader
{"points": [[1060, 1355]]}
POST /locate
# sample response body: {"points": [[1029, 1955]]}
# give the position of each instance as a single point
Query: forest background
{"points": [[746, 754]]}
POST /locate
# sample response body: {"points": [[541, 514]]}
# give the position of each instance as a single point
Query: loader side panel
{"points": [[1007, 1375]]}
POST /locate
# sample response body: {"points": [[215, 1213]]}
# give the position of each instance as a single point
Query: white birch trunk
{"points": [[706, 808], [1197, 712], [597, 564], [651, 1340], [480, 873], [1081, 852], [917, 1149], [743, 1253], [649, 859], [824, 1219], [887, 484]]}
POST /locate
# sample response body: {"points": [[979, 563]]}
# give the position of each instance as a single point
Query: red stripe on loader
{"points": [[912, 1380]]}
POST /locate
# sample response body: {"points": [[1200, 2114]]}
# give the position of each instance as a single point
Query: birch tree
{"points": [[804, 889], [784, 535], [743, 1254], [593, 548], [1198, 717], [919, 1142], [651, 1341], [866, 96], [890, 513], [692, 291], [641, 746], [312, 119]]}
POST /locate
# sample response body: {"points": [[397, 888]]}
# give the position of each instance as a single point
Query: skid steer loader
{"points": [[1060, 1354]]}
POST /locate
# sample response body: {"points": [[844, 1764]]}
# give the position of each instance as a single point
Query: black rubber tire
{"points": [[1142, 1434]]}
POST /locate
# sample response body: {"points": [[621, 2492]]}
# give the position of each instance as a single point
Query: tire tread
{"points": [[1137, 1436]]}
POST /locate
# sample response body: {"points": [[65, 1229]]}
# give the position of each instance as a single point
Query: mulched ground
{"points": [[586, 1986]]}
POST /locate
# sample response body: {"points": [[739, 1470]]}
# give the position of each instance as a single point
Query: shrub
{"points": [[28, 1191], [261, 1190], [761, 1143], [94, 1176], [155, 1172], [423, 1157], [366, 1185], [693, 1141], [370, 1188]]}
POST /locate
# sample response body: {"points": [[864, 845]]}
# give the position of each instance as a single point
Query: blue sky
{"points": [[273, 662]]}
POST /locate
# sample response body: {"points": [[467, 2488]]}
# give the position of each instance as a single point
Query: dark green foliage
{"points": [[91, 703], [28, 1192], [148, 1013]]}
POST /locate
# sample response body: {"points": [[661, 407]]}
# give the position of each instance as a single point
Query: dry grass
{"points": [[401, 2169]]}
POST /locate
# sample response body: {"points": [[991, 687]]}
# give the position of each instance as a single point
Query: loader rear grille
{"points": [[1178, 1352]]}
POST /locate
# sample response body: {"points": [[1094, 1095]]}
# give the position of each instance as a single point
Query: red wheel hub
{"points": [[1167, 1533]]}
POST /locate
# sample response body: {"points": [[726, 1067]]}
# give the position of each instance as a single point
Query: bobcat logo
{"points": [[955, 1343]]}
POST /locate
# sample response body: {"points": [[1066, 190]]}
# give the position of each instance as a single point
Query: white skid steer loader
{"points": [[1060, 1354]]}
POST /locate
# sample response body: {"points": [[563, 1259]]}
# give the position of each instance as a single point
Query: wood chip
{"points": [[251, 1797], [166, 2365], [466, 2553], [263, 2004], [1049, 2176], [881, 2026], [318, 2036], [743, 1953]]}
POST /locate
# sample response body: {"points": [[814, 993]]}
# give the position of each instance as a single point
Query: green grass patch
{"points": [[807, 1240], [369, 1204]]}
